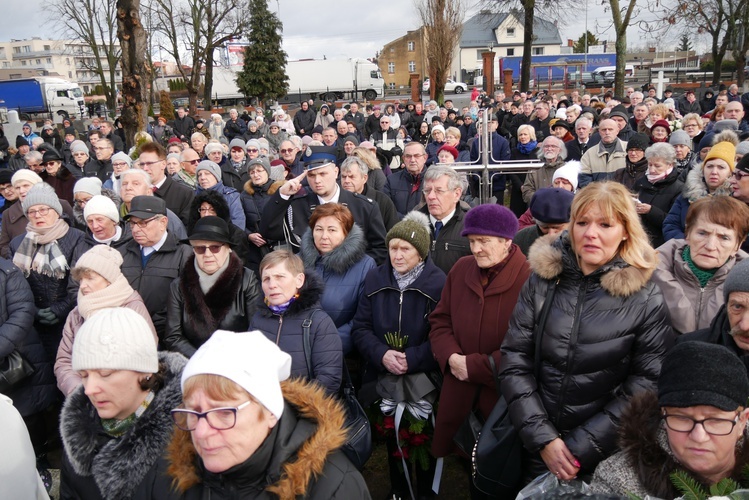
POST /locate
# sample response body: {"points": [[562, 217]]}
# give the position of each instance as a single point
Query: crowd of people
{"points": [[193, 301]]}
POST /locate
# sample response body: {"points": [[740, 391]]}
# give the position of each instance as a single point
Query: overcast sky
{"points": [[351, 28]]}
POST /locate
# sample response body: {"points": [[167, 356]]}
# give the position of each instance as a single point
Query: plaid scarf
{"points": [[39, 251]]}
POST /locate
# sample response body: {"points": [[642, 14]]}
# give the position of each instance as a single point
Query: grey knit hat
{"points": [[260, 160], [253, 143], [679, 137], [737, 280], [41, 194], [122, 157], [236, 143], [743, 148], [90, 185], [214, 169], [414, 228], [78, 146], [211, 147]]}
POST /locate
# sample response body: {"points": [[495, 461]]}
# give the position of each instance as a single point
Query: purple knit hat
{"points": [[490, 220]]}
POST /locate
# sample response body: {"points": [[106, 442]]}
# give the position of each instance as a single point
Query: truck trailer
{"points": [[43, 95]]}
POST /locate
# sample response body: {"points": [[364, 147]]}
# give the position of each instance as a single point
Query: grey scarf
{"points": [[208, 280]]}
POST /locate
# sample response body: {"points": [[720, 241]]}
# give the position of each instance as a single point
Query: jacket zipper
{"points": [[571, 350], [278, 334]]}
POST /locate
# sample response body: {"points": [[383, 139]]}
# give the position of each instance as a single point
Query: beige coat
{"points": [[691, 307]]}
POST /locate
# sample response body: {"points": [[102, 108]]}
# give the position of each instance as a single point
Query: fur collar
{"points": [[340, 259], [550, 257], [695, 187], [643, 438], [309, 296], [119, 465], [206, 311], [274, 186], [290, 470]]}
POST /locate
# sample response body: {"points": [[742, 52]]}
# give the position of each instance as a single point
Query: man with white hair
{"points": [[577, 147], [553, 153], [235, 126], [599, 163], [354, 176], [137, 182]]}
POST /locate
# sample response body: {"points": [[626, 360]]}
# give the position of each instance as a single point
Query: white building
{"points": [[503, 34]]}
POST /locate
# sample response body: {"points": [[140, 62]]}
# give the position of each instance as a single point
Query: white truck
{"points": [[328, 79], [43, 95]]}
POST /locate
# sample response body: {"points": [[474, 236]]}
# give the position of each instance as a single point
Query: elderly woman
{"points": [[101, 285], [120, 164], [246, 431], [635, 163], [214, 290], [198, 143], [376, 178], [335, 248], [216, 127], [438, 140], [116, 426], [209, 178], [422, 134], [257, 191], [470, 321], [657, 190], [660, 131], [211, 203], [57, 175], [292, 299], [691, 425], [452, 138], [692, 125], [79, 156], [324, 119], [275, 136], [391, 330], [45, 254], [691, 272], [526, 149], [103, 223], [172, 163], [711, 178], [606, 331]]}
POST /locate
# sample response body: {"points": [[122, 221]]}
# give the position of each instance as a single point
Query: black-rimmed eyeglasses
{"points": [[220, 419], [713, 426]]}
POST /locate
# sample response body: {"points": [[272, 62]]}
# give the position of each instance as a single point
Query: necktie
{"points": [[437, 228]]}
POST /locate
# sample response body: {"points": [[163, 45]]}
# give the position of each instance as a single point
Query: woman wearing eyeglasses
{"points": [[214, 290], [695, 424], [116, 425], [245, 430]]}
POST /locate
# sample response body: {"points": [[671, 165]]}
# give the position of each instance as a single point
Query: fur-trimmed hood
{"points": [[644, 440], [696, 188], [309, 296], [340, 259], [271, 187], [551, 257], [119, 465], [310, 430]]}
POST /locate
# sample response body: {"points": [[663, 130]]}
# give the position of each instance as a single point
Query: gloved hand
{"points": [[47, 317]]}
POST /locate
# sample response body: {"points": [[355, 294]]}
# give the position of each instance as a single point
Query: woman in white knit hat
{"points": [[101, 285], [246, 431], [103, 223], [45, 253], [116, 425]]}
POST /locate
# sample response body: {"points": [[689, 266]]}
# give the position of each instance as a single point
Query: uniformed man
{"points": [[289, 209]]}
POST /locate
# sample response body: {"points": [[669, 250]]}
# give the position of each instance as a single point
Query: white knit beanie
{"points": [[25, 175], [249, 360], [569, 171], [211, 147], [115, 339], [101, 205], [103, 260], [90, 185]]}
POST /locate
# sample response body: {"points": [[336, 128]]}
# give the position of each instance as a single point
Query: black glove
{"points": [[47, 317]]}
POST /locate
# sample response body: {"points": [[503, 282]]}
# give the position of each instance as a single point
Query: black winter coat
{"points": [[661, 197], [98, 466], [177, 197], [404, 190], [286, 331], [304, 121], [192, 316], [449, 246], [97, 168], [17, 332], [384, 308], [234, 178], [152, 281], [604, 340], [719, 332]]}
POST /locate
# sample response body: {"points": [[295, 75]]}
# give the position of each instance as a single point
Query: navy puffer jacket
{"points": [[17, 332], [286, 331], [604, 340]]}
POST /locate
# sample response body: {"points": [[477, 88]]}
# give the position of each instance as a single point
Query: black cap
{"points": [[551, 205], [638, 141], [20, 141], [5, 175], [146, 207], [562, 123], [211, 228], [721, 379], [51, 155]]}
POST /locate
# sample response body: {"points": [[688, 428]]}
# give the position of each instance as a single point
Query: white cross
{"points": [[659, 84]]}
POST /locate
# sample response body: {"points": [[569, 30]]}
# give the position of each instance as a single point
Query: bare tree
{"points": [[136, 73], [193, 29], [91, 24], [443, 24], [621, 17]]}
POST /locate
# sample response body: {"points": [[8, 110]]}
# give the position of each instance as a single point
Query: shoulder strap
{"points": [[539, 331], [307, 342]]}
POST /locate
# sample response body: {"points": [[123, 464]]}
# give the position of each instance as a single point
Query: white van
{"points": [[629, 70]]}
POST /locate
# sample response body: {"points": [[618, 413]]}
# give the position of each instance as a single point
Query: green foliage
{"points": [[166, 108], [725, 66], [579, 47], [688, 486], [264, 72], [396, 340], [177, 85], [685, 43], [724, 487]]}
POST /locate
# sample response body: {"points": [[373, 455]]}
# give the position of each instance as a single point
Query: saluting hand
{"points": [[292, 186]]}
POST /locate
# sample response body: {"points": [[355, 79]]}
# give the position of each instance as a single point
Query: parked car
{"points": [[451, 86]]}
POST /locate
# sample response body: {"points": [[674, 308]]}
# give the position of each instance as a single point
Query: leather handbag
{"points": [[497, 456], [358, 446], [14, 369]]}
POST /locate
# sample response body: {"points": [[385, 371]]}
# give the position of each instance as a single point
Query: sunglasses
{"points": [[191, 162], [251, 150], [200, 250], [284, 151], [46, 163]]}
